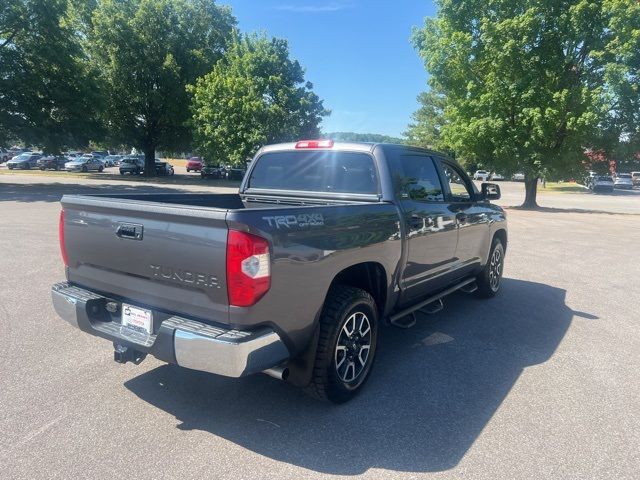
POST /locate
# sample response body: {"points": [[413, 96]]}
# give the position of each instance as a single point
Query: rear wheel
{"points": [[346, 346], [490, 279], [84, 169], [100, 169]]}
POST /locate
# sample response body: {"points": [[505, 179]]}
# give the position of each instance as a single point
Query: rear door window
{"points": [[416, 177], [315, 171]]}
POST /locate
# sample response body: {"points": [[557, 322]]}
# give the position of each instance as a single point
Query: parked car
{"points": [[235, 173], [52, 162], [293, 275], [100, 153], [482, 175], [636, 178], [164, 168], [496, 177], [133, 165], [24, 161], [110, 160], [518, 177], [84, 163], [213, 171], [15, 151], [602, 183], [194, 164], [4, 155], [623, 181]]}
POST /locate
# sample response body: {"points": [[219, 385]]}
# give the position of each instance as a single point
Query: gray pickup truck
{"points": [[294, 275]]}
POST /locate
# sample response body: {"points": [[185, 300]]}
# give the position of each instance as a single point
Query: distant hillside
{"points": [[362, 137]]}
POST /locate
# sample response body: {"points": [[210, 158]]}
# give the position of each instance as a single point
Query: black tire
{"points": [[100, 169], [338, 377], [490, 279], [188, 170], [84, 169], [121, 172]]}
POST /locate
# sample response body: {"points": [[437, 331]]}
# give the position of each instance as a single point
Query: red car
{"points": [[194, 164]]}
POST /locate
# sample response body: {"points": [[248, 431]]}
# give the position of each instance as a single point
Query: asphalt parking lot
{"points": [[542, 382]]}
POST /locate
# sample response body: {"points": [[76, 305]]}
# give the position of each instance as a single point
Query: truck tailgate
{"points": [[157, 255]]}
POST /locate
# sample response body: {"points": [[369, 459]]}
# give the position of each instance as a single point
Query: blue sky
{"points": [[357, 54]]}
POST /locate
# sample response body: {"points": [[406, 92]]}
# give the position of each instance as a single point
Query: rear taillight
{"points": [[63, 248], [248, 268]]}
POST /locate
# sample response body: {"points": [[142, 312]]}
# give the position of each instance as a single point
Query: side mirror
{"points": [[490, 191]]}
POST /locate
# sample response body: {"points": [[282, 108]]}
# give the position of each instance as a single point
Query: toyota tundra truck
{"points": [[295, 275]]}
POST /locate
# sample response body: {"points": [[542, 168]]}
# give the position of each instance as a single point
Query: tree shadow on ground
{"points": [[53, 192], [567, 210], [433, 390]]}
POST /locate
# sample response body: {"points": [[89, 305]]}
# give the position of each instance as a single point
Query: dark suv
{"points": [[132, 165], [52, 162]]}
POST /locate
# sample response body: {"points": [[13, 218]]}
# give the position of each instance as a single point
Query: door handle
{"points": [[130, 231], [462, 217], [416, 222]]}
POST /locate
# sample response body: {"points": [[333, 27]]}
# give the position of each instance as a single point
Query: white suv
{"points": [[481, 175]]}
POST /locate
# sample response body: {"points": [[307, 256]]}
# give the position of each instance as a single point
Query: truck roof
{"points": [[350, 146]]}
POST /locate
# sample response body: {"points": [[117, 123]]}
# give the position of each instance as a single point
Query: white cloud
{"points": [[318, 8]]}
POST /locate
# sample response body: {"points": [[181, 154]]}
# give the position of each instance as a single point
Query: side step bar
{"points": [[468, 285]]}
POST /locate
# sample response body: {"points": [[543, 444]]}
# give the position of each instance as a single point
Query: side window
{"points": [[460, 191], [416, 177]]}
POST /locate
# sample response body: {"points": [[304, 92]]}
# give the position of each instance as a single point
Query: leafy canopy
{"points": [[255, 95], [47, 90], [525, 84], [148, 51]]}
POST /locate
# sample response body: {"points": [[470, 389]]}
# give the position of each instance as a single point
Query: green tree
{"points": [[148, 51], [362, 137], [523, 81], [619, 133], [255, 95], [47, 90], [425, 129]]}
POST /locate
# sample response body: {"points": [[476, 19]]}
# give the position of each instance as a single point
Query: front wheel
{"points": [[84, 169], [100, 169], [346, 346], [490, 279]]}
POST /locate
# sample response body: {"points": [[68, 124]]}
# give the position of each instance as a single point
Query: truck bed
{"points": [[178, 265]]}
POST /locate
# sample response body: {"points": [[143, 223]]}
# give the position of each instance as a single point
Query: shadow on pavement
{"points": [[433, 390], [53, 192], [568, 210]]}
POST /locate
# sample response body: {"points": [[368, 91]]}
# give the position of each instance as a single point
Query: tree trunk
{"points": [[150, 162], [531, 191]]}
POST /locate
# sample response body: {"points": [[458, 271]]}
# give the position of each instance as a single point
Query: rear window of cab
{"points": [[315, 171]]}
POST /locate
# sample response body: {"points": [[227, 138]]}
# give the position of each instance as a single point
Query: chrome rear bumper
{"points": [[186, 342]]}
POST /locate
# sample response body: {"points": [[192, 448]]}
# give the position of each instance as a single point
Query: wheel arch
{"points": [[368, 276], [501, 234]]}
